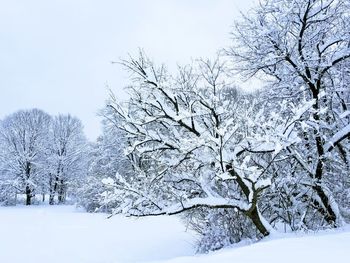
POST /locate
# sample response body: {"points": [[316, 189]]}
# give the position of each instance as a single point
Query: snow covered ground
{"points": [[321, 248], [44, 234], [60, 234]]}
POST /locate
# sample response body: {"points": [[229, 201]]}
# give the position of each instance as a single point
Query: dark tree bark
{"points": [[253, 213], [28, 195], [53, 189], [61, 192]]}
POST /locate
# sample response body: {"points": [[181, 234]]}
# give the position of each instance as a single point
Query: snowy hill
{"points": [[61, 234], [322, 248]]}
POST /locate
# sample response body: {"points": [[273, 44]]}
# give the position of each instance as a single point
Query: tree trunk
{"points": [[254, 215], [53, 189], [61, 192], [330, 216], [327, 212], [28, 190], [52, 194], [52, 199], [28, 195]]}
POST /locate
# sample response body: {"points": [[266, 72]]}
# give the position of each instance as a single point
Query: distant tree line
{"points": [[41, 155]]}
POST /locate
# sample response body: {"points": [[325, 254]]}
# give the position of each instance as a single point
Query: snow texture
{"points": [[62, 234], [59, 234], [332, 247]]}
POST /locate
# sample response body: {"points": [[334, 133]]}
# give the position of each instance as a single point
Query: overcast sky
{"points": [[56, 54]]}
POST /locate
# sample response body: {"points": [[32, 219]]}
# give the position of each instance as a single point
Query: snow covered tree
{"points": [[240, 165], [300, 48], [24, 137], [106, 160], [195, 137], [40, 155], [67, 158]]}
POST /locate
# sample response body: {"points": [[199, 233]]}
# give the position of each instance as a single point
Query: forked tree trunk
{"points": [[253, 213]]}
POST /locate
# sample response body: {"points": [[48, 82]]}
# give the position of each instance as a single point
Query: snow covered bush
{"points": [[91, 196], [106, 162], [219, 228], [7, 193]]}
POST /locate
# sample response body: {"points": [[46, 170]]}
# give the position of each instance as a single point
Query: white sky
{"points": [[56, 54]]}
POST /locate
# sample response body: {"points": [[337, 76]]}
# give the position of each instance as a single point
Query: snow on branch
{"points": [[337, 138]]}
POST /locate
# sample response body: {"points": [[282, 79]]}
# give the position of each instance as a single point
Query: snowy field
{"points": [[60, 234], [43, 234]]}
